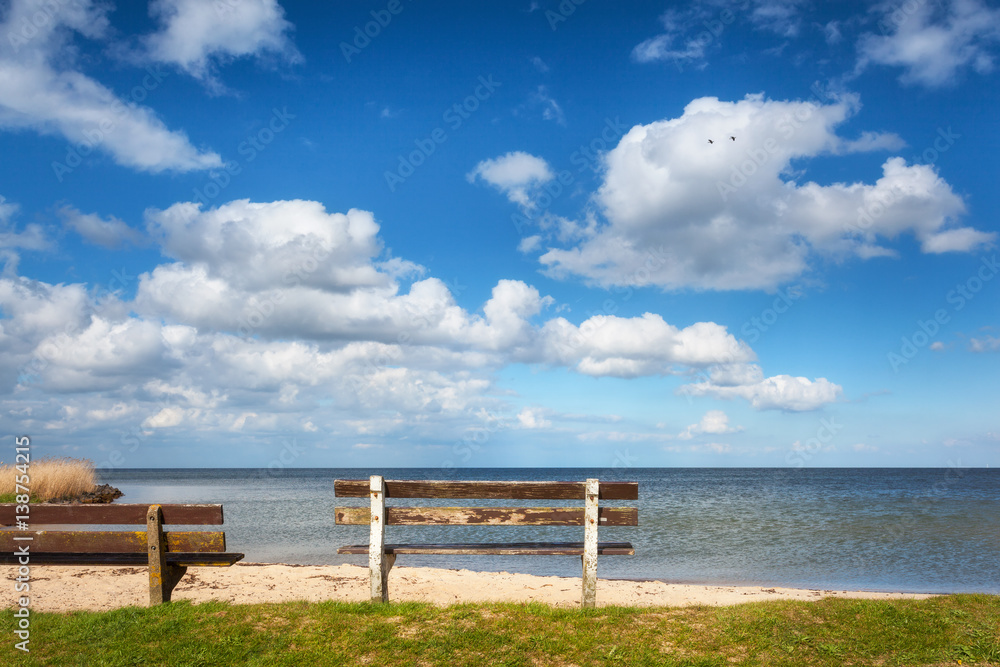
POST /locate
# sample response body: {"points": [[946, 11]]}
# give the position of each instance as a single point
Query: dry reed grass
{"points": [[54, 478]]}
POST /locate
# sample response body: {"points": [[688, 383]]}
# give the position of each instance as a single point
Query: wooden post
{"points": [[590, 545], [379, 563], [162, 577], [157, 547]]}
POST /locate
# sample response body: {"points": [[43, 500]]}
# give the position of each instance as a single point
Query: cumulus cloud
{"points": [[516, 174], [283, 317], [32, 237], [781, 392], [195, 35], [714, 422], [533, 418], [733, 214], [933, 42], [606, 345], [110, 232], [40, 90]]}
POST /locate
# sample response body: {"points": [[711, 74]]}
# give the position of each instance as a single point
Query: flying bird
{"points": [[733, 138], [710, 141]]}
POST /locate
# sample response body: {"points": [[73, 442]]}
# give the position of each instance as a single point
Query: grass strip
{"points": [[948, 630]]}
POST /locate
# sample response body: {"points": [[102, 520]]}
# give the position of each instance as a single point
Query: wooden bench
{"points": [[168, 555], [590, 515]]}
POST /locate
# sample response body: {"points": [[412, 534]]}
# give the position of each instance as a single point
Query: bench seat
{"points": [[499, 549]]}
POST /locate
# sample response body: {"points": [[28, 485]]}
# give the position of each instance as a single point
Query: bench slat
{"points": [[72, 541], [495, 516], [501, 549], [185, 559], [358, 488], [112, 514]]}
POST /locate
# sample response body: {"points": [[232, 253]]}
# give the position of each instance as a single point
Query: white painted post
{"points": [[378, 564], [590, 545]]}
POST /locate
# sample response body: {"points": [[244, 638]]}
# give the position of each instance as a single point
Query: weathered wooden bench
{"points": [[167, 554], [590, 515]]}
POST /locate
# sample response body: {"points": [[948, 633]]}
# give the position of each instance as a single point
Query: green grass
{"points": [[10, 498], [951, 630]]}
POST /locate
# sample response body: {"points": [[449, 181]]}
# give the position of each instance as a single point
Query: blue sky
{"points": [[757, 233]]}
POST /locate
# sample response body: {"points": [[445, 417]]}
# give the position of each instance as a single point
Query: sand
{"points": [[100, 588]]}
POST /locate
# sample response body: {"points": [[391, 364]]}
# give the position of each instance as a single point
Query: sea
{"points": [[921, 530]]}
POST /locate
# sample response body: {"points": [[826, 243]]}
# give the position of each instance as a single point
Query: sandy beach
{"points": [[100, 588]]}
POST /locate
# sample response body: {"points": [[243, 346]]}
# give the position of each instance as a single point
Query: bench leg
{"points": [[380, 578], [162, 577], [379, 562], [170, 580], [589, 598]]}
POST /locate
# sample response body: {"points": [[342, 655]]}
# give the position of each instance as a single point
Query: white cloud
{"points": [[933, 42], [715, 422], [550, 108], [195, 35], [532, 418], [677, 23], [222, 340], [984, 344], [781, 392], [110, 233], [832, 33], [957, 240], [165, 418], [529, 243], [516, 174], [689, 32], [31, 238], [40, 91], [732, 214], [781, 17], [606, 345]]}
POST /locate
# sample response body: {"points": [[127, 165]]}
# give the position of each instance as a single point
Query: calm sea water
{"points": [[915, 530]]}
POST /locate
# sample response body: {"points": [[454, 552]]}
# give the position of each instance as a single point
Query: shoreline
{"points": [[58, 588]]}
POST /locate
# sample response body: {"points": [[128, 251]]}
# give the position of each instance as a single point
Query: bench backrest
{"points": [[497, 516], [64, 540]]}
